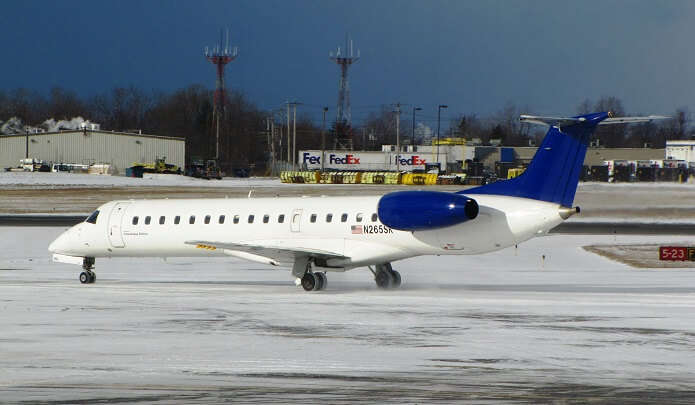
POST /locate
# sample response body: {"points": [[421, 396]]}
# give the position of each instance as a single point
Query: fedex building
{"points": [[371, 160]]}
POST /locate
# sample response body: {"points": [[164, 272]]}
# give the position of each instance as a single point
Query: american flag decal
{"points": [[356, 229]]}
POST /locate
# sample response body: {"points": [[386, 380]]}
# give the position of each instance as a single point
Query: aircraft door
{"points": [[115, 228], [295, 220]]}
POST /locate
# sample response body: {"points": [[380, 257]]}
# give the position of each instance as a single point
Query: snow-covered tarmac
{"points": [[499, 328]]}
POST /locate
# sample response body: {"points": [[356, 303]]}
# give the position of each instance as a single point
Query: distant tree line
{"points": [[244, 136], [506, 127]]}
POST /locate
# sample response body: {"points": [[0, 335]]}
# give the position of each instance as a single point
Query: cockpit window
{"points": [[93, 218]]}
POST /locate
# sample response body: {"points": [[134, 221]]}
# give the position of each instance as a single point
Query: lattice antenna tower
{"points": [[220, 55], [344, 58]]}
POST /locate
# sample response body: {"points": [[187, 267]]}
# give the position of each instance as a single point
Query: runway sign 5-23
{"points": [[677, 253]]}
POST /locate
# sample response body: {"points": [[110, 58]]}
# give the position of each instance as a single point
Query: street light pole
{"points": [[412, 141], [289, 140], [323, 140], [294, 139], [398, 136], [439, 115]]}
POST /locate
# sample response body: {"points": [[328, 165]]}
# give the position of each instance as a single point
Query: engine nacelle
{"points": [[422, 210]]}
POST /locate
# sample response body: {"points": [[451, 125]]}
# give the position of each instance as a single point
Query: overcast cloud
{"points": [[475, 56]]}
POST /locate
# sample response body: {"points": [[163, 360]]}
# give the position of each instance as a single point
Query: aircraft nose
{"points": [[59, 244]]}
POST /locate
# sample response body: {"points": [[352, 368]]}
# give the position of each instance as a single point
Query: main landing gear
{"points": [[308, 279], [314, 281], [386, 277], [88, 276]]}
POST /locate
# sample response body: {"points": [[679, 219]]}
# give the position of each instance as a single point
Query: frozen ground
{"points": [[62, 180], [61, 193], [505, 327]]}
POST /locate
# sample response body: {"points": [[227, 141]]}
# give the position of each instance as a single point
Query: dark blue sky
{"points": [[475, 56]]}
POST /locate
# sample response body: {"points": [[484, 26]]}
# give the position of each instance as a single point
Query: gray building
{"points": [[119, 149], [594, 156]]}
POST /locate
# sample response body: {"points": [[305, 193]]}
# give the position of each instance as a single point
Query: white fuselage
{"points": [[346, 226]]}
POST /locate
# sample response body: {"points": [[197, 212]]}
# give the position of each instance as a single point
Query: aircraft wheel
{"points": [[92, 277], [309, 281], [383, 279], [396, 279], [84, 277], [323, 281]]}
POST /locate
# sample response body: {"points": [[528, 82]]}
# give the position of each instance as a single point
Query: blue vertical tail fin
{"points": [[553, 173]]}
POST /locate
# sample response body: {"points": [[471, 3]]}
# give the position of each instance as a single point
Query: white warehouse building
{"points": [[118, 149], [681, 150]]}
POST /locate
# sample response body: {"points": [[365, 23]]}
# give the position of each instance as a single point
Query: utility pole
{"points": [[439, 114], [292, 155], [398, 136], [294, 139], [272, 145], [289, 151], [412, 141], [323, 139]]}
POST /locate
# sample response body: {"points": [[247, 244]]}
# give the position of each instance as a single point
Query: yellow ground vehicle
{"points": [[511, 173]]}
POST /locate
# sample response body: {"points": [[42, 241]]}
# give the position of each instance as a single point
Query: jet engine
{"points": [[424, 210]]}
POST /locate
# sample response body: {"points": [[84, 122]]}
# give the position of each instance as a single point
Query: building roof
{"points": [[90, 131], [677, 142]]}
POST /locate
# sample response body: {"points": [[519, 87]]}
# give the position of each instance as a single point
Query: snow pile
{"points": [[14, 126], [51, 125], [38, 179]]}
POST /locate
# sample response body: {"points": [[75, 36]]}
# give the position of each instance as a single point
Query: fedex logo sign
{"points": [[348, 159], [311, 159], [414, 160]]}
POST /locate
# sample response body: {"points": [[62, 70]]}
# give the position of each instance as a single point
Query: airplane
{"points": [[316, 235]]}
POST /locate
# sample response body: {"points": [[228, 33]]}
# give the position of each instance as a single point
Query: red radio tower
{"points": [[344, 58], [220, 56]]}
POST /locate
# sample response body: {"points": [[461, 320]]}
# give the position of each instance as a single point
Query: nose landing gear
{"points": [[88, 276]]}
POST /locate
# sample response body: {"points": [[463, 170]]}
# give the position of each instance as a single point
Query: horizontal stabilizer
{"points": [[551, 121], [632, 120], [567, 121]]}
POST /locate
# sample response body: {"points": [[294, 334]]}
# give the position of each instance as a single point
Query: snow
{"points": [[40, 179], [14, 126], [75, 179], [501, 327]]}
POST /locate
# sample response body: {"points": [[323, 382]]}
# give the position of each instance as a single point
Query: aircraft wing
{"points": [[276, 254]]}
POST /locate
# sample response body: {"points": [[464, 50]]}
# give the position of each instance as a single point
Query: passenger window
{"points": [[343, 218], [135, 220], [93, 218], [329, 217], [358, 217], [177, 219], [161, 220], [312, 218], [221, 219], [374, 217], [207, 219], [191, 220], [236, 219], [250, 219], [147, 220], [281, 218], [266, 218]]}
